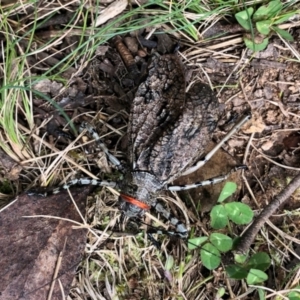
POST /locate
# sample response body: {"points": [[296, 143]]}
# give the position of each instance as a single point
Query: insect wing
{"points": [[182, 140], [156, 107]]}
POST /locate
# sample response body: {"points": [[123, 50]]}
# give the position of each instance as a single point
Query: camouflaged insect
{"points": [[168, 131]]}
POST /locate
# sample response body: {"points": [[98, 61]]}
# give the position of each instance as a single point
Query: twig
{"points": [[251, 232]]}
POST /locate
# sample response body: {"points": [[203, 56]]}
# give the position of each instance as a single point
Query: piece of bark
{"points": [[30, 247]]}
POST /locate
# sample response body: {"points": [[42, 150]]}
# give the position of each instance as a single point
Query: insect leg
{"points": [[81, 181], [203, 161], [97, 138], [211, 181], [181, 230], [153, 240]]}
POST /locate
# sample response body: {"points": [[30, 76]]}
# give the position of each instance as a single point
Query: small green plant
{"points": [[265, 20], [294, 295], [212, 246], [221, 214], [251, 269]]}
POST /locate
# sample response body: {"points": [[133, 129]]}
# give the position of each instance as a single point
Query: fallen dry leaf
{"points": [[30, 247], [267, 145], [256, 124], [111, 11]]}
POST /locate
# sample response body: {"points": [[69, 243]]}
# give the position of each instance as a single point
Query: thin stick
{"points": [[251, 232]]}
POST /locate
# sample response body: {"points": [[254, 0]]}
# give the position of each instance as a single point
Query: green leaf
{"points": [[284, 18], [239, 213], [244, 18], [218, 217], [261, 294], [169, 263], [220, 293], [228, 189], [283, 33], [264, 26], [236, 272], [256, 276], [221, 241], [210, 256], [255, 46], [260, 261], [196, 242], [240, 258], [236, 242], [294, 295], [267, 11]]}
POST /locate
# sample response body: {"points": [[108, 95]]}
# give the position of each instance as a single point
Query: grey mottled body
{"points": [[168, 129]]}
